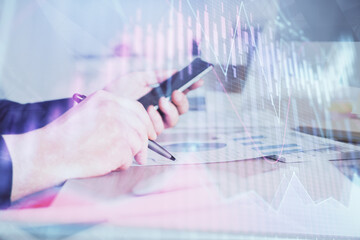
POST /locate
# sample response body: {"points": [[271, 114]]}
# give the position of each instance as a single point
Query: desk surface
{"points": [[227, 199]]}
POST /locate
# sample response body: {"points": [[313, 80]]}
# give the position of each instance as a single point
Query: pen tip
{"points": [[173, 158]]}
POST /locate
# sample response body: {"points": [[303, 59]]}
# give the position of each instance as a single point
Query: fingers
{"points": [[125, 153], [171, 114], [148, 123], [140, 111], [195, 86], [117, 131], [171, 111], [137, 126], [156, 119], [180, 101], [144, 129], [137, 141]]}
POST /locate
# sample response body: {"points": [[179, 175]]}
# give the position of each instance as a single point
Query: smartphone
{"points": [[179, 81]]}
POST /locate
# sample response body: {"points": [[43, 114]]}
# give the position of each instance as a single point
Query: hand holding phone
{"points": [[179, 81]]}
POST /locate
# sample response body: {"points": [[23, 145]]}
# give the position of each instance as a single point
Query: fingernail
{"points": [[150, 110], [154, 136], [165, 102]]}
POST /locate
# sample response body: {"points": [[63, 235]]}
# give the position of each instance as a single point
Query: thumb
{"points": [[162, 75]]}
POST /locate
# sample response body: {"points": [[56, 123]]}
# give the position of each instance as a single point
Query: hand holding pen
{"points": [[151, 144], [101, 134]]}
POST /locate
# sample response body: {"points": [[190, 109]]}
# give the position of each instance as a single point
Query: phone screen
{"points": [[179, 81]]}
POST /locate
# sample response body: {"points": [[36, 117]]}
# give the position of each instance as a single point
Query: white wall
{"points": [[45, 36]]}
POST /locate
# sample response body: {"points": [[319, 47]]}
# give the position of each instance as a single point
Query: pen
{"points": [[160, 150], [152, 144]]}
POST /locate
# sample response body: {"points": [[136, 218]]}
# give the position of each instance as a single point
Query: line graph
{"points": [[245, 128], [225, 69]]}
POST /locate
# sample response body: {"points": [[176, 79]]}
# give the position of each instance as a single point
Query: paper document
{"points": [[197, 145]]}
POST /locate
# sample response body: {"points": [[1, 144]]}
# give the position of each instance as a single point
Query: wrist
{"points": [[31, 170]]}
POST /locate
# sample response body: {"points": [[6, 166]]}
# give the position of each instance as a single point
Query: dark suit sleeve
{"points": [[5, 175], [18, 118]]}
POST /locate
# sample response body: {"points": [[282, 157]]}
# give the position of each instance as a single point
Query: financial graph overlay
{"points": [[260, 81], [262, 88], [254, 66], [243, 40]]}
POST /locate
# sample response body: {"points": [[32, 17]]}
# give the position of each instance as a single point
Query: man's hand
{"points": [[103, 133], [137, 84]]}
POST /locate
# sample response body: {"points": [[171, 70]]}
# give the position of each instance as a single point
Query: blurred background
{"points": [[265, 52]]}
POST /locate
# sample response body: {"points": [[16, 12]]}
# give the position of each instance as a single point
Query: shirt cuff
{"points": [[5, 175]]}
